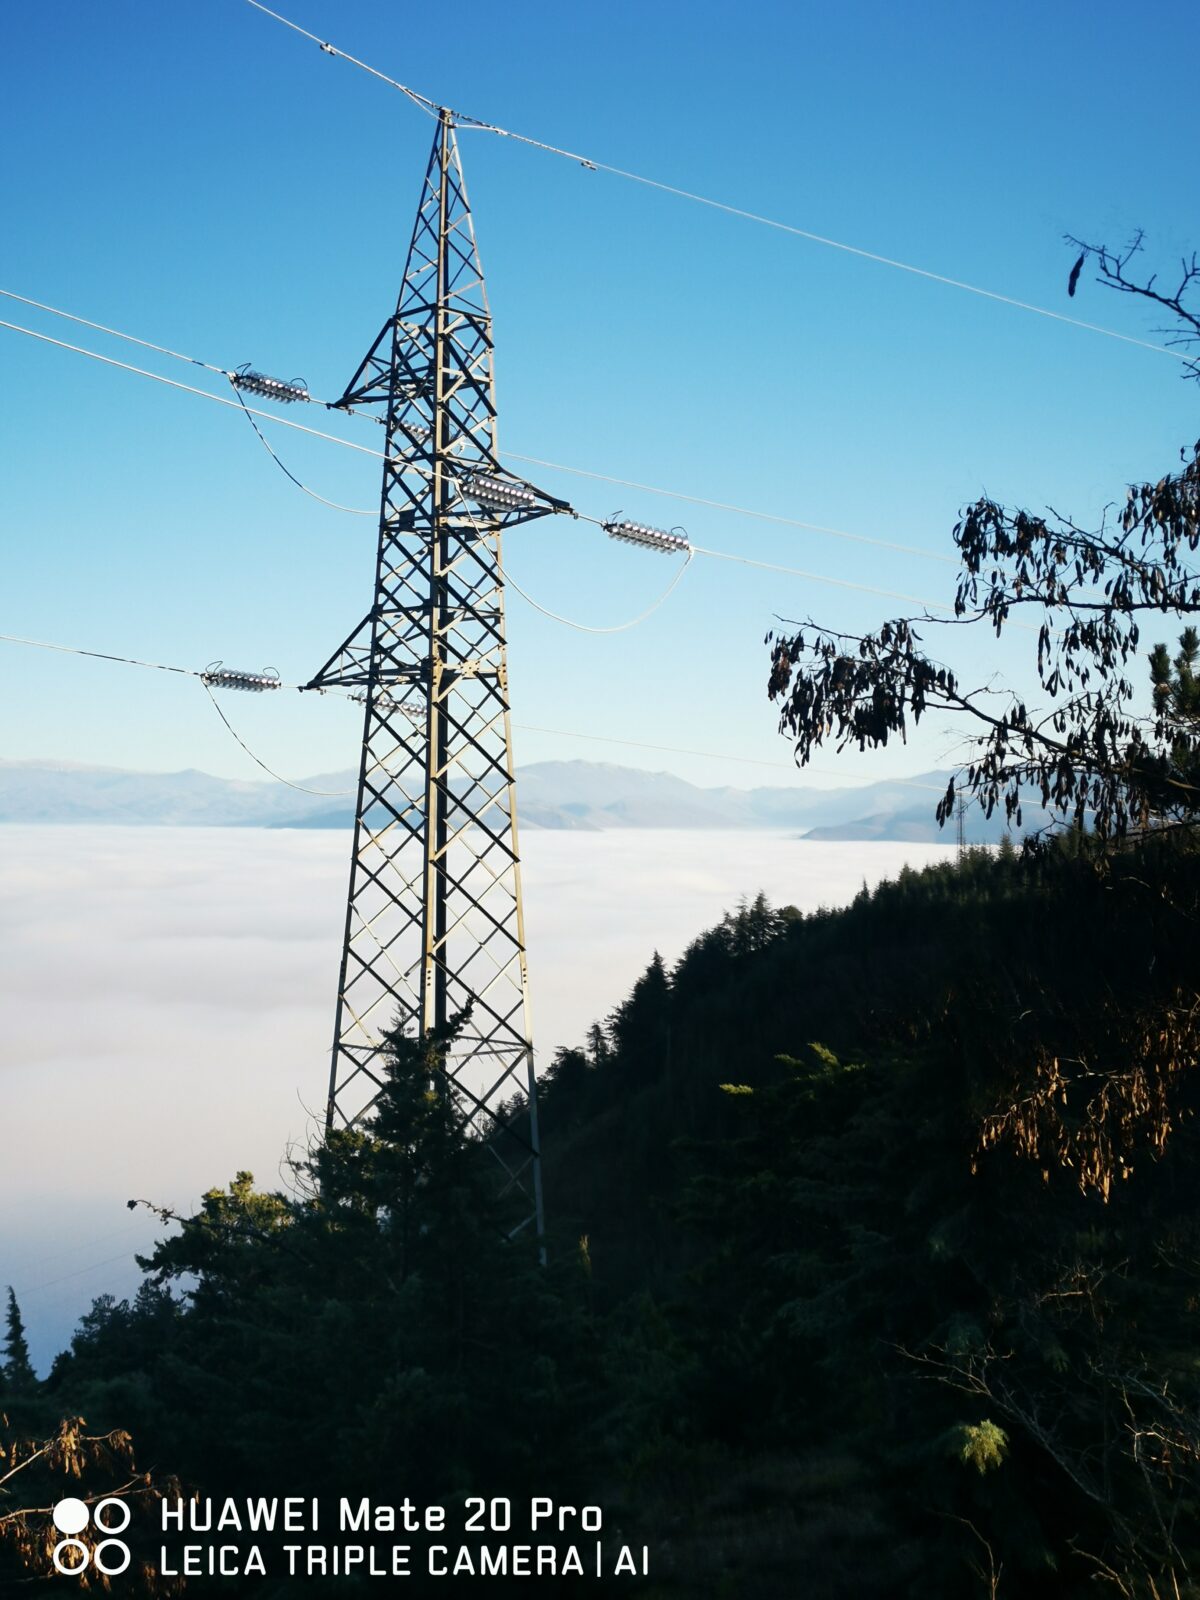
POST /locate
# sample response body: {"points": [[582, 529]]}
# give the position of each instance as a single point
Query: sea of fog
{"points": [[168, 996]]}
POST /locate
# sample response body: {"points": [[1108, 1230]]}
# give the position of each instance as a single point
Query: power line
{"points": [[186, 672], [568, 622], [101, 655], [285, 422], [889, 261], [537, 461], [93, 1266], [430, 106], [740, 511], [525, 727], [116, 333], [566, 733], [845, 583], [420, 100], [176, 355], [251, 411], [584, 627], [767, 566], [205, 394], [354, 511], [717, 755], [839, 583], [77, 1247], [210, 674], [325, 794], [208, 366]]}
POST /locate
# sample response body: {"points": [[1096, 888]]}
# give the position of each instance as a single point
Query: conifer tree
{"points": [[1176, 686], [641, 1024], [597, 1045], [19, 1376]]}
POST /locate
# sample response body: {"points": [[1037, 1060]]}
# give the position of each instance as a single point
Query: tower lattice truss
{"points": [[434, 922]]}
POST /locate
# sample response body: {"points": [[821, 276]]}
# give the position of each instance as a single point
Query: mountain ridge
{"points": [[575, 795]]}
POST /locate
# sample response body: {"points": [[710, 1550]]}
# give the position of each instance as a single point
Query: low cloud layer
{"points": [[169, 1003]]}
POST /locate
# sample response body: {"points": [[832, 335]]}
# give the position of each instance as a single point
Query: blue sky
{"points": [[203, 178]]}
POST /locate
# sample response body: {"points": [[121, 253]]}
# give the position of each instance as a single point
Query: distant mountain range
{"points": [[582, 795]]}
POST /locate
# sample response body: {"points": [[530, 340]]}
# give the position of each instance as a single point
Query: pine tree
{"points": [[754, 927], [1179, 681], [597, 1045], [19, 1376], [640, 1026], [1176, 685]]}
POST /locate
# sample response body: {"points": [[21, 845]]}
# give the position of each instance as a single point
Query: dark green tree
{"points": [[376, 1318], [564, 1092], [908, 1314], [754, 927], [640, 1027], [19, 1376], [1176, 685], [597, 1045]]}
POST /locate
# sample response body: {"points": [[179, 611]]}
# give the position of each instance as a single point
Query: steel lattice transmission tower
{"points": [[434, 918]]}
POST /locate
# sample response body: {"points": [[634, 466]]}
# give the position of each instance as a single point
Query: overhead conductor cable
{"points": [[464, 120], [327, 794], [411, 712], [419, 434], [554, 616], [286, 422]]}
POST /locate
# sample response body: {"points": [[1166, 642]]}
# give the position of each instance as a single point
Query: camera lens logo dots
{"points": [[110, 1556]]}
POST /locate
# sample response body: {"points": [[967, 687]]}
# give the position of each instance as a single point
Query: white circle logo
{"points": [[80, 1565], [113, 1527], [111, 1556], [124, 1557], [70, 1516]]}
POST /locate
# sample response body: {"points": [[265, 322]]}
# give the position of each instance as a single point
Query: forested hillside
{"points": [[874, 1267]]}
